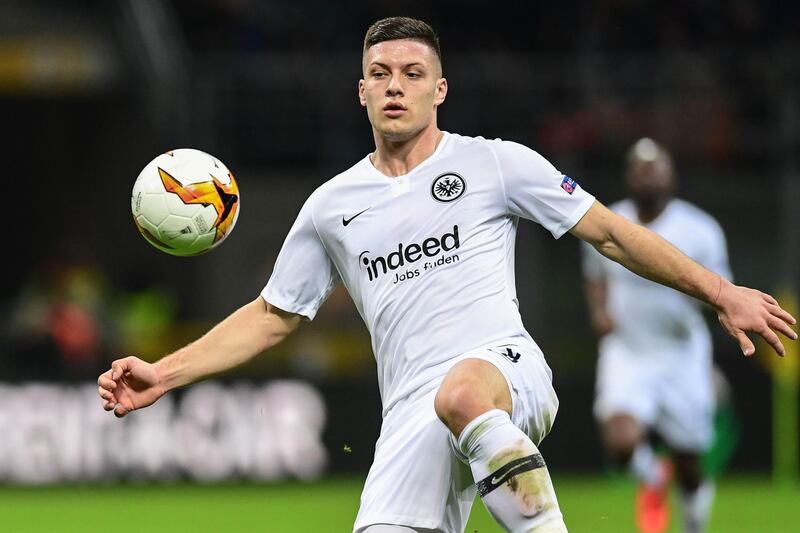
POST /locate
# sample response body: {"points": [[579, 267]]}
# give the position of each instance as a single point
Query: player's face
{"points": [[650, 183], [401, 88]]}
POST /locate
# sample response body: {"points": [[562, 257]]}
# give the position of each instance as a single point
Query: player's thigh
{"points": [[534, 403]]}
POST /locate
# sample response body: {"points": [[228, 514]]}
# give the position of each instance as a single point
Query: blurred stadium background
{"points": [[90, 91]]}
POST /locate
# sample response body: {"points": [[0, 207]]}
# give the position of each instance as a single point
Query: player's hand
{"points": [[602, 324], [742, 310], [130, 384]]}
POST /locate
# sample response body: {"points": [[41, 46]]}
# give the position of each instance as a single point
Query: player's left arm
{"points": [[740, 309]]}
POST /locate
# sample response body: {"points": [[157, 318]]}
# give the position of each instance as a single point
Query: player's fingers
{"points": [[120, 366], [106, 382], [769, 298], [104, 394], [773, 340], [109, 405], [779, 325], [120, 411], [778, 311], [745, 344]]}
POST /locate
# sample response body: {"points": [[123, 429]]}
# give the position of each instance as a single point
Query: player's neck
{"points": [[397, 158], [648, 214]]}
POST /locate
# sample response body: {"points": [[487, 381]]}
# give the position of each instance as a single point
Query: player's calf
{"points": [[697, 495], [696, 506], [511, 475]]}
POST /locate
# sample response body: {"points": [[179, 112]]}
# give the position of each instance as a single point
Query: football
{"points": [[185, 202]]}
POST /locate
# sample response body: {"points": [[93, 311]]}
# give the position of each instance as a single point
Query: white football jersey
{"points": [[428, 257], [650, 318]]}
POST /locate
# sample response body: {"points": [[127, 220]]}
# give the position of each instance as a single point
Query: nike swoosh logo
{"points": [[498, 480], [346, 221]]}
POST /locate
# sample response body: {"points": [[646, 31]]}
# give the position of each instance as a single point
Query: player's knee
{"points": [[622, 434], [450, 401], [458, 403]]}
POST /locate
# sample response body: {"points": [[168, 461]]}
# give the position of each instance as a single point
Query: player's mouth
{"points": [[394, 109]]}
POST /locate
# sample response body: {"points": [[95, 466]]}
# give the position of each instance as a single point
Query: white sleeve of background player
{"points": [[535, 190], [592, 263], [716, 252], [304, 275]]}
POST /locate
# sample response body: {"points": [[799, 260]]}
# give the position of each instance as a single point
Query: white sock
{"points": [[645, 466], [512, 478], [696, 507], [388, 528]]}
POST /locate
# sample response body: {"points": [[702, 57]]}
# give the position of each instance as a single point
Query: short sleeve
{"points": [[592, 263], [304, 275], [535, 190]]}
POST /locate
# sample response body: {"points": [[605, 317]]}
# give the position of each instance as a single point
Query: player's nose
{"points": [[394, 88]]}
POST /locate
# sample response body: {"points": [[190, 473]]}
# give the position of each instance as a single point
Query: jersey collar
{"points": [[431, 158]]}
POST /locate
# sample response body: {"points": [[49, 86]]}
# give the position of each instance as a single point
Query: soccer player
{"points": [[421, 232], [655, 368]]}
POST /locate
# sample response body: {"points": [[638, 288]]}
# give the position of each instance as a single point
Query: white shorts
{"points": [[669, 392], [418, 479]]}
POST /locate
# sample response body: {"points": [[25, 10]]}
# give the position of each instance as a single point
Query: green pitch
{"points": [[595, 505]]}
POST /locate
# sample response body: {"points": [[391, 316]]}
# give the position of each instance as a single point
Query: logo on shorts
{"points": [[512, 355], [448, 187], [569, 184]]}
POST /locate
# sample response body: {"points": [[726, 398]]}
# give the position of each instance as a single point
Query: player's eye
{"points": [[413, 74]]}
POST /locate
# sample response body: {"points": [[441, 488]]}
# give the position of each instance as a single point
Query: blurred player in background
{"points": [[655, 369], [421, 232]]}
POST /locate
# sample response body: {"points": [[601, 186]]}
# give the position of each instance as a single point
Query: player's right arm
{"points": [[595, 287], [595, 291], [253, 328], [740, 309]]}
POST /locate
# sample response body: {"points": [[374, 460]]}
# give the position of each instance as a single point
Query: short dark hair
{"points": [[394, 28]]}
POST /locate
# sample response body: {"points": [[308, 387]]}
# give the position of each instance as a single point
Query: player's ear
{"points": [[441, 91], [361, 96]]}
